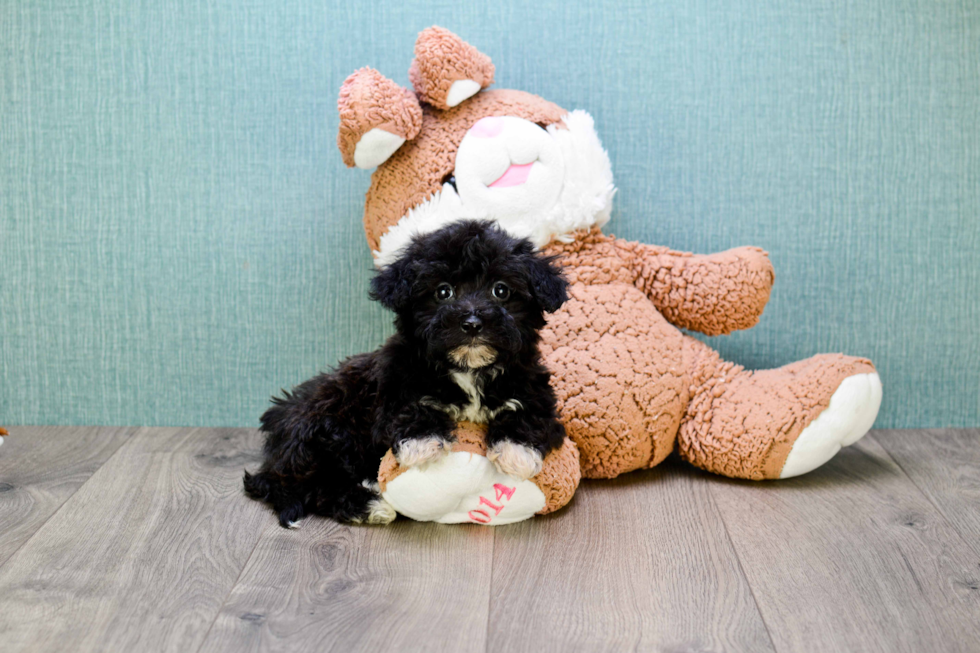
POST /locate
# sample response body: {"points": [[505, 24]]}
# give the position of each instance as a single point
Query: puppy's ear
{"points": [[546, 280], [392, 285]]}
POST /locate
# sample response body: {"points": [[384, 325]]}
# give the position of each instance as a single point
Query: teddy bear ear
{"points": [[376, 117], [447, 69]]}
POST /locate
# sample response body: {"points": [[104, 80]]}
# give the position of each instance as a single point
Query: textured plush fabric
{"points": [[743, 424], [629, 382], [624, 374], [626, 378], [713, 293], [442, 58], [179, 236], [369, 100]]}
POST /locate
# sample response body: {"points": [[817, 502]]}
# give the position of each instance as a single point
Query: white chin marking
{"points": [[473, 356], [380, 512], [515, 460], [852, 410], [419, 451], [293, 525]]}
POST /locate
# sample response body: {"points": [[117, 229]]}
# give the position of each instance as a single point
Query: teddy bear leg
{"points": [[775, 423]]}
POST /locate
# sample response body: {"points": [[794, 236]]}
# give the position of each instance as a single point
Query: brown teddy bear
{"points": [[631, 386]]}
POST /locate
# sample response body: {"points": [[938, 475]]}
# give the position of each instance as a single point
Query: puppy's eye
{"points": [[451, 180], [444, 292], [501, 291]]}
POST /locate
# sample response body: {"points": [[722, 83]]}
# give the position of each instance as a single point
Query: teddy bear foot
{"points": [[420, 451], [515, 460], [852, 410]]}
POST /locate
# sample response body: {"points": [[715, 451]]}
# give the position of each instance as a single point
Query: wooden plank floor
{"points": [[142, 540]]}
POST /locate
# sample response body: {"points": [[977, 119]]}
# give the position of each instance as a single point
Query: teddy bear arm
{"points": [[713, 294]]}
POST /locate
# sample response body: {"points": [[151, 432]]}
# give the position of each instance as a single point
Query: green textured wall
{"points": [[179, 238]]}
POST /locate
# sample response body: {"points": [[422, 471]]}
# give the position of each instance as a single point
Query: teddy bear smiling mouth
{"points": [[515, 175]]}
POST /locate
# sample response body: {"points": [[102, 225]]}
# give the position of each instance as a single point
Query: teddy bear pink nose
{"points": [[487, 127]]}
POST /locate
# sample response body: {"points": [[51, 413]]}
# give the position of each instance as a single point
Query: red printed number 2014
{"points": [[504, 494]]}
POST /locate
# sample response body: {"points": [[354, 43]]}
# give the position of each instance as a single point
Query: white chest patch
{"points": [[474, 410]]}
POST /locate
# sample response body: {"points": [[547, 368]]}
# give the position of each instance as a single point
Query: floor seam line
{"points": [[935, 506], [224, 601], [493, 548], [231, 589], [741, 569]]}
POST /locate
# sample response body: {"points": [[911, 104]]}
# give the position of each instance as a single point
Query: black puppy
{"points": [[469, 301]]}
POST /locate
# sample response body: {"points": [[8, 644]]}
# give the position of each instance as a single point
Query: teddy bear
{"points": [[632, 387]]}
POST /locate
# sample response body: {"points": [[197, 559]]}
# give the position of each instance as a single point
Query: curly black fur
{"points": [[326, 438]]}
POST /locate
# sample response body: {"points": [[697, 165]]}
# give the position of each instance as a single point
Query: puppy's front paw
{"points": [[419, 451], [376, 510], [515, 459]]}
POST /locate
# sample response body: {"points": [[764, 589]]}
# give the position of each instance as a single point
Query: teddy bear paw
{"points": [[419, 451], [852, 410], [515, 459]]}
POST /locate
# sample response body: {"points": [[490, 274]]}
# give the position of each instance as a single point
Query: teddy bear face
{"points": [[509, 156], [508, 166]]}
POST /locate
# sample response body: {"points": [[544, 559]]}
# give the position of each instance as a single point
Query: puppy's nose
{"points": [[472, 325]]}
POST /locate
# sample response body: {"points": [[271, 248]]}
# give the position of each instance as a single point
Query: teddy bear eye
{"points": [[444, 292], [501, 291]]}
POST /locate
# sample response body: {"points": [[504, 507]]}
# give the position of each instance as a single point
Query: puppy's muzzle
{"points": [[473, 356]]}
